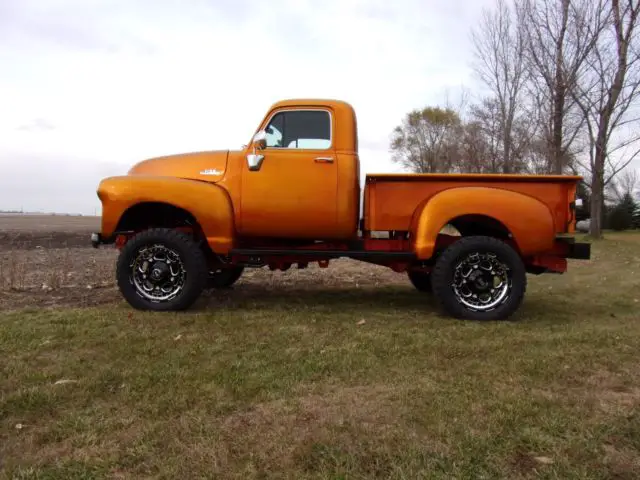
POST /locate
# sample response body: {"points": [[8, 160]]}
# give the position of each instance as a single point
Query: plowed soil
{"points": [[48, 231], [47, 261]]}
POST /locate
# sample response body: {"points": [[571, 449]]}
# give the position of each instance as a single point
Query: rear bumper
{"points": [[555, 261], [573, 249], [580, 251]]}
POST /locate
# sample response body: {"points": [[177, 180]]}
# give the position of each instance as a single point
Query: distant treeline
{"points": [[21, 212]]}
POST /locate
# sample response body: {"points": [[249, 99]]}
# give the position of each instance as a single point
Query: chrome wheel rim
{"points": [[481, 282], [157, 273]]}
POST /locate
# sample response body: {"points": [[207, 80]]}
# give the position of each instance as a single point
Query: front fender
{"points": [[208, 203], [528, 220]]}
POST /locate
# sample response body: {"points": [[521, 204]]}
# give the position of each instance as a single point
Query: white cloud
{"points": [[89, 88]]}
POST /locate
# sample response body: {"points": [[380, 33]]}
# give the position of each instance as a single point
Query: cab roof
{"points": [[312, 102]]}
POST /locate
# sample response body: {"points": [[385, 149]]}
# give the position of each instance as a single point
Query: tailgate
{"points": [[391, 199]]}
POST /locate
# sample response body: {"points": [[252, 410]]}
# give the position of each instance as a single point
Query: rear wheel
{"points": [[224, 277], [161, 269], [479, 278], [420, 280]]}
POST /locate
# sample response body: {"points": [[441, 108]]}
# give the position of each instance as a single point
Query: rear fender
{"points": [[528, 220], [209, 204]]}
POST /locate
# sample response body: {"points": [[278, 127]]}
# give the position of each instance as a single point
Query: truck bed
{"points": [[390, 200]]}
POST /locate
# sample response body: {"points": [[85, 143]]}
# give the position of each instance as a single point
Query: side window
{"points": [[303, 129], [274, 131]]}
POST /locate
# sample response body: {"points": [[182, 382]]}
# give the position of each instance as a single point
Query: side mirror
{"points": [[260, 140]]}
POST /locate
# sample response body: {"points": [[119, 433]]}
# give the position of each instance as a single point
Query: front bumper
{"points": [[96, 240], [117, 238]]}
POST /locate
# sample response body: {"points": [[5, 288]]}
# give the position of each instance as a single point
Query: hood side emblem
{"points": [[211, 171]]}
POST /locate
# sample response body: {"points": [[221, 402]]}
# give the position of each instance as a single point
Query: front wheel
{"points": [[161, 269], [479, 278]]}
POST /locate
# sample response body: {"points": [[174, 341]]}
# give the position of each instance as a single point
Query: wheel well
{"points": [[468, 225], [155, 214]]}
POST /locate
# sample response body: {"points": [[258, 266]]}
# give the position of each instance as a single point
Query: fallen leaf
{"points": [[544, 460], [362, 322], [65, 381], [178, 337], [19, 426]]}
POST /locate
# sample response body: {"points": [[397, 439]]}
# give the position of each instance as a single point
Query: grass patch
{"points": [[266, 382]]}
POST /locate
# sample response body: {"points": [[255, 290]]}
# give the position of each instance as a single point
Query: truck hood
{"points": [[205, 166]]}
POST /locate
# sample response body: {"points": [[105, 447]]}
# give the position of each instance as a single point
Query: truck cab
{"points": [[292, 196], [307, 163]]}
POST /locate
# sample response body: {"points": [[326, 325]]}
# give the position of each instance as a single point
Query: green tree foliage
{"points": [[426, 142], [622, 214]]}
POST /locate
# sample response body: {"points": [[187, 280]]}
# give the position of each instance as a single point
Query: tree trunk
{"points": [[597, 183], [559, 95], [595, 227], [558, 120], [506, 140]]}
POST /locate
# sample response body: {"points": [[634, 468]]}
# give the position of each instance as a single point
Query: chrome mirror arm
{"points": [[259, 142]]}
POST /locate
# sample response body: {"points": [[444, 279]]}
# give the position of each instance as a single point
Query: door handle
{"points": [[323, 159]]}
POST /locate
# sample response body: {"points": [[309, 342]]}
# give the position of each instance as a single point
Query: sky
{"points": [[90, 87]]}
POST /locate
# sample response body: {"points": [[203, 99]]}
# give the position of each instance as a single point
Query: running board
{"points": [[356, 254]]}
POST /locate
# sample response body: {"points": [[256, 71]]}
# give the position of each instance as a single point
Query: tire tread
{"points": [[444, 263], [194, 256]]}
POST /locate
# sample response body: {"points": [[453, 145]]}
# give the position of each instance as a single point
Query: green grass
{"points": [[286, 384]]}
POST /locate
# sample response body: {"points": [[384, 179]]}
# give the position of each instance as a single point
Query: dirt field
{"points": [[48, 223], [42, 267], [49, 231]]}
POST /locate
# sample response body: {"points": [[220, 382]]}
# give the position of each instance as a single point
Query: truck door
{"points": [[293, 192]]}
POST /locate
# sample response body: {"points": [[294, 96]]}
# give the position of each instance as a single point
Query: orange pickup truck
{"points": [[292, 196]]}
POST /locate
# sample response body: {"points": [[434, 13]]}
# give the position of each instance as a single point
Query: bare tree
{"points": [[626, 184], [475, 149], [483, 136], [607, 94], [483, 141], [499, 62], [558, 41]]}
